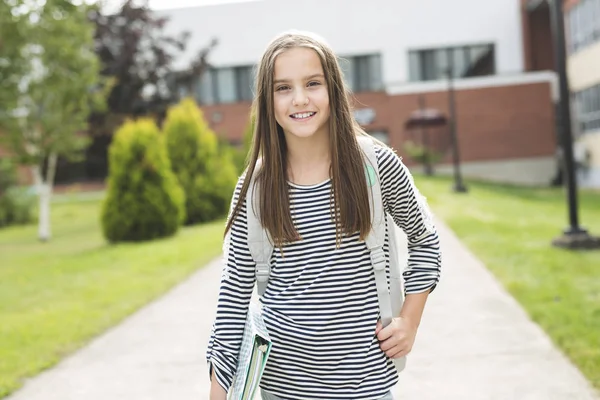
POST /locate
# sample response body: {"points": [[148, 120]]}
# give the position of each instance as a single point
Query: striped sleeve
{"points": [[235, 292], [410, 211]]}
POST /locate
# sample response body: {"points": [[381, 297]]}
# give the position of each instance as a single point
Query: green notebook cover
{"points": [[253, 355]]}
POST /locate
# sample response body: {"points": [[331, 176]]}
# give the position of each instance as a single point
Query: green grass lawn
{"points": [[55, 296], [510, 229]]}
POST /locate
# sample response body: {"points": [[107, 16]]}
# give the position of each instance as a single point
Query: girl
{"points": [[320, 305]]}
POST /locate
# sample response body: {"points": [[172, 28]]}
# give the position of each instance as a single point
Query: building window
{"points": [[432, 64], [588, 109], [244, 77], [226, 85], [204, 89], [362, 73], [583, 22]]}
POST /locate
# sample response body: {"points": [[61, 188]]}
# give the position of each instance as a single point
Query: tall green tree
{"points": [[137, 48], [13, 63], [55, 96]]}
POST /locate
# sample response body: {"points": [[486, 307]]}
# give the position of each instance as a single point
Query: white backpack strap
{"points": [[260, 246], [389, 304], [376, 237], [396, 279]]}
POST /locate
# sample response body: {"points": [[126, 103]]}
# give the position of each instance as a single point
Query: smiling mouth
{"points": [[303, 116]]}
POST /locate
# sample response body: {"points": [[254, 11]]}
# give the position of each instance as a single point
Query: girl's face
{"points": [[301, 100]]}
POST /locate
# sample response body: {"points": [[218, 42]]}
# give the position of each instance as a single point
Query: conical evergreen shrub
{"points": [[144, 200], [206, 174]]}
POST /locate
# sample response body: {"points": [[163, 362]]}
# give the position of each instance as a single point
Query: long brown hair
{"points": [[351, 212]]}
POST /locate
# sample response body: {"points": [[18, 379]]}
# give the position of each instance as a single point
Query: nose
{"points": [[300, 98]]}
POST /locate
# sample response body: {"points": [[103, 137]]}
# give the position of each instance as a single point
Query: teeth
{"points": [[303, 115]]}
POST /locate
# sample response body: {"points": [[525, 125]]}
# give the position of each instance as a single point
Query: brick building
{"points": [[583, 46], [582, 31], [394, 54]]}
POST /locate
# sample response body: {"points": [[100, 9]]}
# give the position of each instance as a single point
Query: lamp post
{"points": [[574, 237], [425, 141], [459, 187], [424, 118]]}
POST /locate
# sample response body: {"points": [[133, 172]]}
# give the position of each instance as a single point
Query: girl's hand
{"points": [[396, 340]]}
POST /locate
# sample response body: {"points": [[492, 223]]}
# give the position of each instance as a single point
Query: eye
{"points": [[282, 88], [314, 83]]}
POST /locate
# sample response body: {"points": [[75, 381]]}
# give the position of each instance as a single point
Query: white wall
{"points": [[584, 68], [391, 27], [584, 72], [590, 143], [534, 171]]}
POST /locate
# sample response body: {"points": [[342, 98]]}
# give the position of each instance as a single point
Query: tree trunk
{"points": [[44, 189], [44, 204], [44, 221]]}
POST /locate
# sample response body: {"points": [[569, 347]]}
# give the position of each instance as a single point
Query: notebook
{"points": [[254, 352]]}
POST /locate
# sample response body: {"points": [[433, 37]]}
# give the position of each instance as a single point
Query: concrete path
{"points": [[475, 343]]}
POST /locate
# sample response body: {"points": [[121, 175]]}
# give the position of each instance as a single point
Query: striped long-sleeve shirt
{"points": [[320, 305]]}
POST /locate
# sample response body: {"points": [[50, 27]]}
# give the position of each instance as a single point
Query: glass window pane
{"points": [[465, 61], [597, 19], [357, 64], [582, 22], [578, 26], [476, 53], [362, 73], [244, 83], [204, 88], [253, 72], [460, 62], [414, 66], [587, 103], [595, 98], [429, 70], [226, 89], [592, 18], [442, 64], [347, 66], [481, 60], [375, 78], [587, 21], [578, 106], [571, 28]]}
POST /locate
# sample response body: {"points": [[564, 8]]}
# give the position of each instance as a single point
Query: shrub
{"points": [[16, 203], [8, 174], [224, 178], [16, 206], [144, 200], [422, 154], [206, 174]]}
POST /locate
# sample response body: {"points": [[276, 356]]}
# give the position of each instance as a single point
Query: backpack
{"points": [[390, 301]]}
